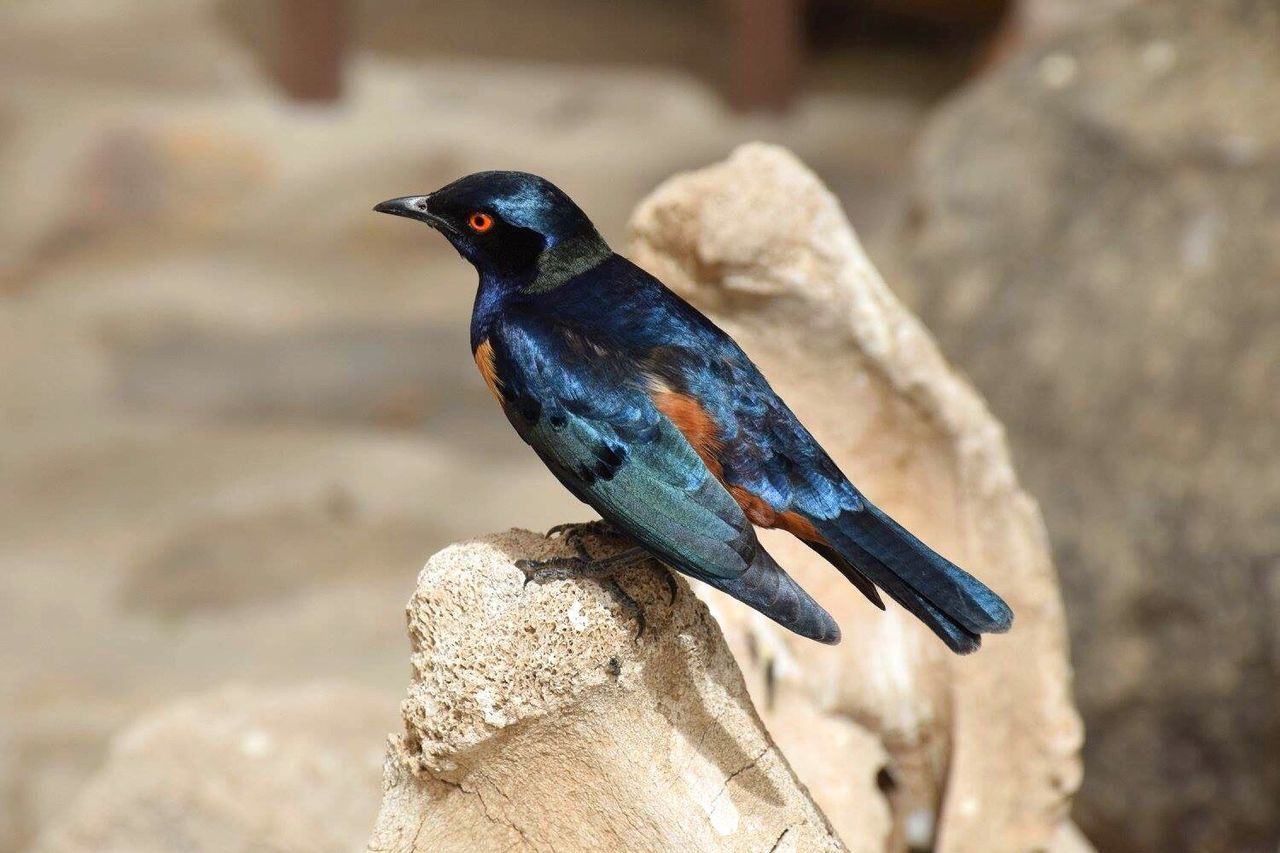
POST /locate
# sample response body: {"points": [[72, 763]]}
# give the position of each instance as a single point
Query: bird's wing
{"points": [[601, 435], [748, 436], [783, 478], [590, 418]]}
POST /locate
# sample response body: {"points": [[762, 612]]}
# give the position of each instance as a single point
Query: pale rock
{"points": [[235, 770], [538, 719]]}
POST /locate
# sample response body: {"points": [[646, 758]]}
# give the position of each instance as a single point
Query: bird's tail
{"points": [[767, 587], [953, 603]]}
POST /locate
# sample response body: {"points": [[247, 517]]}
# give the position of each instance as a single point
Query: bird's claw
{"points": [[561, 529], [636, 609], [573, 532]]}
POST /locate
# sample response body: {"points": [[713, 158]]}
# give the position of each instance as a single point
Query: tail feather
{"points": [[953, 603], [957, 637], [855, 577], [767, 587]]}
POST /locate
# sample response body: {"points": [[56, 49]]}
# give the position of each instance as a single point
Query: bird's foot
{"points": [[584, 565]]}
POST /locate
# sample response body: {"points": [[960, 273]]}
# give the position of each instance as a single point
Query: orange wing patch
{"points": [[701, 431], [485, 361], [761, 514], [704, 435]]}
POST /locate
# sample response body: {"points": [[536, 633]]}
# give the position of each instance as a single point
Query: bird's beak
{"points": [[412, 206]]}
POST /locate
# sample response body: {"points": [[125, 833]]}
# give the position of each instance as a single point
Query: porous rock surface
{"points": [[537, 719], [270, 771], [1095, 236], [982, 750]]}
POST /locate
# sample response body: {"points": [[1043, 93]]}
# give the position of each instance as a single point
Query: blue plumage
{"points": [[647, 411]]}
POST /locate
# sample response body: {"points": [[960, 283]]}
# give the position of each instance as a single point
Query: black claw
{"points": [[633, 604], [579, 528], [671, 584]]}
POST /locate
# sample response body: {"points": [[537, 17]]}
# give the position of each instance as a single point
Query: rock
{"points": [[1042, 19], [1095, 237], [982, 751], [1070, 840], [538, 719], [235, 770]]}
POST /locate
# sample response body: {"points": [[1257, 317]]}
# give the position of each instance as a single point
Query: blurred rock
{"points": [[982, 751], [270, 556], [1041, 19], [1070, 840], [1096, 237], [236, 770], [182, 555], [537, 719]]}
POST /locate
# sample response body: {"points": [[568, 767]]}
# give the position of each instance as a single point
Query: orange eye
{"points": [[480, 222]]}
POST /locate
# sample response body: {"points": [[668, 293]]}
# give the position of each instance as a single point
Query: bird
{"points": [[648, 412]]}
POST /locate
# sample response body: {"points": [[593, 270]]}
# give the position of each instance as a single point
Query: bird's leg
{"points": [[583, 565]]}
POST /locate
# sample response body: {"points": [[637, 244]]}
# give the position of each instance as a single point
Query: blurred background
{"points": [[239, 412]]}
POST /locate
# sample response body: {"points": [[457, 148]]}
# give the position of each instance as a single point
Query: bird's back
{"points": [[755, 446]]}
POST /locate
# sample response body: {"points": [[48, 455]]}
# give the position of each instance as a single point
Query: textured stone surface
{"points": [[982, 750], [538, 720], [278, 771], [1095, 237]]}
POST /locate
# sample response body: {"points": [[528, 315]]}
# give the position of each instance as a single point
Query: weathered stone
{"points": [[1095, 237], [982, 750], [236, 770], [538, 719], [1041, 19]]}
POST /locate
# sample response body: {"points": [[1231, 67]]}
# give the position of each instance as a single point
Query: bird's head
{"points": [[514, 226]]}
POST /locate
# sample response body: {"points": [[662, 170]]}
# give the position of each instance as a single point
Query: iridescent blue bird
{"points": [[646, 410]]}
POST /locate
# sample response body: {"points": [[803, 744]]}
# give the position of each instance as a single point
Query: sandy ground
{"points": [[239, 408]]}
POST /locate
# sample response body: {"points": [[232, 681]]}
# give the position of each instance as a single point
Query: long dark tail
{"points": [[767, 587], [953, 603]]}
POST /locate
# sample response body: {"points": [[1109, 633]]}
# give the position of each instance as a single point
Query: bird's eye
{"points": [[480, 222]]}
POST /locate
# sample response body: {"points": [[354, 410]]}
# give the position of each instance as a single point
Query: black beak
{"points": [[413, 207]]}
